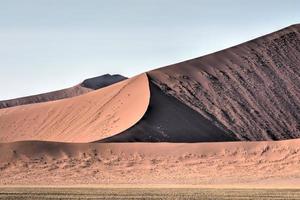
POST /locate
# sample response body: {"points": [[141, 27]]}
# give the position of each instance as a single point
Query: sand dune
{"points": [[247, 92], [86, 118], [82, 88], [83, 119], [251, 90], [229, 163]]}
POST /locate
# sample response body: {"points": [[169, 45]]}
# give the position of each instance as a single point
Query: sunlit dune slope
{"points": [[86, 118]]}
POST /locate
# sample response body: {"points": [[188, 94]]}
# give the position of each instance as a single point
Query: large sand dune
{"points": [[247, 92], [86, 118], [251, 90], [232, 163]]}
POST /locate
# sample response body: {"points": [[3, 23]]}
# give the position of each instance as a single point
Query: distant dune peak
{"points": [[102, 81]]}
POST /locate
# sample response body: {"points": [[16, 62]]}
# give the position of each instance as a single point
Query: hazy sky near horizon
{"points": [[47, 45]]}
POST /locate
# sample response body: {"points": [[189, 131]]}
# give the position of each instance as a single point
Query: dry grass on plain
{"points": [[147, 193]]}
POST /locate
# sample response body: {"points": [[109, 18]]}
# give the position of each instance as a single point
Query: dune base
{"points": [[258, 164]]}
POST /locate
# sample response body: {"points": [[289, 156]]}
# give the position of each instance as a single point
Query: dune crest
{"points": [[86, 118]]}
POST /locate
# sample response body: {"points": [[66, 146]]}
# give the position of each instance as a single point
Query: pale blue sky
{"points": [[52, 44]]}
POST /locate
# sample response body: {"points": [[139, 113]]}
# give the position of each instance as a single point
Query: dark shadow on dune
{"points": [[169, 120]]}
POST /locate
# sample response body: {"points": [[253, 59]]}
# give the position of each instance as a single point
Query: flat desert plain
{"points": [[147, 192]]}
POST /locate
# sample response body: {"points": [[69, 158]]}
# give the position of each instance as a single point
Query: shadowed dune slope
{"points": [[262, 163], [86, 86], [252, 89], [169, 120], [85, 118]]}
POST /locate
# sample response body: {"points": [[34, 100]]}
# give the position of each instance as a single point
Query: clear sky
{"points": [[52, 44]]}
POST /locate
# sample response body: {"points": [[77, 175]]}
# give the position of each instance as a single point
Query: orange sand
{"points": [[262, 164], [86, 118]]}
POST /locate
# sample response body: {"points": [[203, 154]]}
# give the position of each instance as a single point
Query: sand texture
{"points": [[251, 90]]}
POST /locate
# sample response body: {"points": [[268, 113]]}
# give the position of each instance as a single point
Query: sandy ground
{"points": [[85, 118], [208, 164]]}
